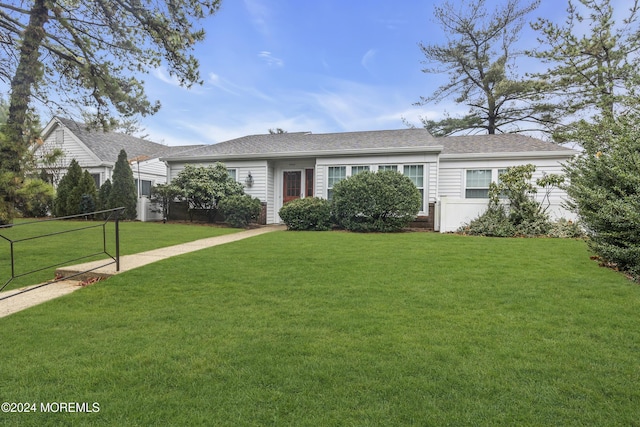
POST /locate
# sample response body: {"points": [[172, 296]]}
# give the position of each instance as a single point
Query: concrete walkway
{"points": [[18, 299]]}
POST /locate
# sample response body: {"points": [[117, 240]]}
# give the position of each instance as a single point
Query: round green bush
{"points": [[310, 213], [384, 201], [240, 210]]}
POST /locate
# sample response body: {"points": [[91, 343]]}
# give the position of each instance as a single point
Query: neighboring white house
{"points": [[97, 152], [452, 173]]}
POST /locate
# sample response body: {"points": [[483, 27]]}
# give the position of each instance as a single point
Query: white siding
{"points": [[456, 210]]}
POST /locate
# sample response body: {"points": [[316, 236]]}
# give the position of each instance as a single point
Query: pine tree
{"points": [[87, 193], [605, 189], [103, 195], [123, 189], [67, 184]]}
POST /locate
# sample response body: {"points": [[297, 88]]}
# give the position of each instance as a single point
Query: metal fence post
{"points": [[118, 241]]}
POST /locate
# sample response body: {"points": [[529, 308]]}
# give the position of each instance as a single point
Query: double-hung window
{"points": [[233, 173], [477, 184], [335, 174], [357, 169], [416, 174], [388, 168]]}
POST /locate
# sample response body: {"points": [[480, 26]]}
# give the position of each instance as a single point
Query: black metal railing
{"points": [[108, 215]]}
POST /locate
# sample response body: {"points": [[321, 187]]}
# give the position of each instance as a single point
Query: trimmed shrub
{"points": [[310, 213], [240, 210], [384, 201]]}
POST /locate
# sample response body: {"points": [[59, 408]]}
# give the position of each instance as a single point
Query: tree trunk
{"points": [[14, 144], [28, 72]]}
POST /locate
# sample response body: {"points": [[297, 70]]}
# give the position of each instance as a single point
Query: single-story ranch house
{"points": [[452, 173]]}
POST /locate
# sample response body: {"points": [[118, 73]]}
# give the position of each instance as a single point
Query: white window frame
{"points": [[331, 181], [233, 173], [419, 185], [495, 177], [356, 169]]}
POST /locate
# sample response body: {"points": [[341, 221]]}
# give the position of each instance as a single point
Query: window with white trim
{"points": [[335, 174], [477, 183], [233, 173], [357, 169], [144, 187], [416, 174], [388, 168]]}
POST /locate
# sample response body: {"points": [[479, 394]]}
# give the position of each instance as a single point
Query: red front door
{"points": [[292, 186]]}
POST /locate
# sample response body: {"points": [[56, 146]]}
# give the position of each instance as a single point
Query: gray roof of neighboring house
{"points": [[107, 145], [368, 142]]}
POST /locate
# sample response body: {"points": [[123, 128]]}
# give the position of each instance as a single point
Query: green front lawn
{"points": [[35, 252], [295, 328]]}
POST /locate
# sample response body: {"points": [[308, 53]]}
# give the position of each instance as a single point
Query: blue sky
{"points": [[320, 66], [324, 66]]}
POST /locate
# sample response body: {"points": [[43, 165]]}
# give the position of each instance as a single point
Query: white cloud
{"points": [[236, 89], [271, 60], [163, 75], [368, 58]]}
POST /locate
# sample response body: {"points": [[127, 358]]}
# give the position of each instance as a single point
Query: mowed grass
{"points": [[315, 329], [78, 239]]}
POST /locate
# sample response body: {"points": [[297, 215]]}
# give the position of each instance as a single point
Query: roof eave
{"points": [[510, 155], [316, 153]]}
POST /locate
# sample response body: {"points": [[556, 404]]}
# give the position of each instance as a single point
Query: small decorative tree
{"points": [[161, 196], [203, 187], [86, 194], [63, 204], [123, 190], [103, 195]]}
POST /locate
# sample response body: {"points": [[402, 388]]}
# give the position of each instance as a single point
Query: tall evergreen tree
{"points": [[605, 189], [594, 64], [479, 57], [64, 205], [123, 189], [103, 195], [86, 193]]}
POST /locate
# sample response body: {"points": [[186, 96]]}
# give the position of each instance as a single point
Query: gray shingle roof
{"points": [[107, 145], [501, 143], [405, 140]]}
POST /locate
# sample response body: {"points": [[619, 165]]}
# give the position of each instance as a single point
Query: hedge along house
{"points": [[452, 173], [97, 152]]}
